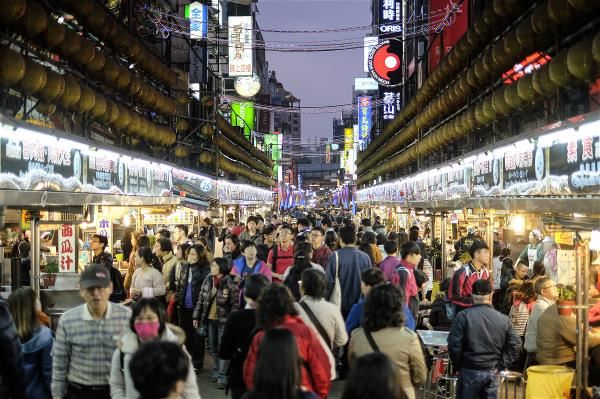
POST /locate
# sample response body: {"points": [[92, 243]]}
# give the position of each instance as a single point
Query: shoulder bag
{"points": [[336, 294], [316, 323]]}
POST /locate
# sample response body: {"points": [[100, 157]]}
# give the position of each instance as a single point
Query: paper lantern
{"points": [[53, 35], [96, 18], [96, 64], [45, 108], [82, 7], [11, 10], [111, 114], [585, 5], [500, 57], [509, 8], [511, 96], [542, 84], [35, 78], [99, 107], [525, 34], [207, 101], [72, 92], [123, 120], [512, 48], [474, 38], [540, 21], [55, 85], [472, 79], [183, 99], [150, 98], [135, 85], [208, 130], [123, 79], [182, 151], [488, 110], [85, 54], [580, 61], [87, 101], [182, 125], [561, 13], [34, 21], [525, 89], [70, 44], [481, 73], [558, 71], [490, 17], [499, 103], [134, 123], [491, 66], [110, 72]]}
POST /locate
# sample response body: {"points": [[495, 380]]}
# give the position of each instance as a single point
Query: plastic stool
{"points": [[446, 386], [506, 377]]}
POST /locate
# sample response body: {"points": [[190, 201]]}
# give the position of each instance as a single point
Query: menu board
{"points": [[523, 166], [580, 161], [105, 173]]}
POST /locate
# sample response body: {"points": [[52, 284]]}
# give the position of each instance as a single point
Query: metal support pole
{"points": [[490, 241], [581, 330], [35, 252], [586, 304], [443, 242]]}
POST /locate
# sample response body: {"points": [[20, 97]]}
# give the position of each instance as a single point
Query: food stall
{"points": [[547, 179], [243, 200]]}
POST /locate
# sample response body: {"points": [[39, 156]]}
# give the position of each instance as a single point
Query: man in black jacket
{"points": [[481, 343], [238, 333], [12, 372]]}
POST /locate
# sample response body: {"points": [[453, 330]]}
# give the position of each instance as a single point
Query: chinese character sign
{"points": [[364, 118], [242, 115], [240, 46], [104, 228], [198, 20], [66, 248]]}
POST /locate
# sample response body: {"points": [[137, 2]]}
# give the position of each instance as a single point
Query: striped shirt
{"points": [[84, 347]]}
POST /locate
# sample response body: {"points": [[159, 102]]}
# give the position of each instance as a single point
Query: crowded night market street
{"points": [[299, 199]]}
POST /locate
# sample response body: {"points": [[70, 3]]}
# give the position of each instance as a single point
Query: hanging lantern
{"points": [[110, 72], [182, 151], [11, 10], [72, 92], [122, 122], [108, 30], [97, 64], [490, 17], [133, 50], [150, 98], [540, 21], [525, 35], [171, 137], [472, 79], [561, 13], [35, 78], [45, 108], [542, 84], [87, 101], [96, 18], [85, 54], [70, 44], [491, 66], [585, 5], [509, 8], [207, 101], [183, 99], [474, 39], [55, 85], [34, 21], [99, 107], [525, 89], [182, 125], [580, 61], [488, 110], [135, 85], [481, 73], [123, 79], [558, 71], [208, 130], [134, 123], [499, 103], [511, 97], [53, 35], [82, 7], [111, 114]]}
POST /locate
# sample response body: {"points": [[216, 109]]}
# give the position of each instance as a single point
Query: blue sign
{"points": [[365, 113], [198, 21]]}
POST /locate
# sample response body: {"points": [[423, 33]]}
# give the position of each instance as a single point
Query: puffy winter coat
{"points": [[316, 370], [227, 299], [38, 363], [178, 280]]}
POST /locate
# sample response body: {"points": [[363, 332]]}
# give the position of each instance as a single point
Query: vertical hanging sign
{"points": [[66, 248], [240, 46], [198, 21], [104, 228]]}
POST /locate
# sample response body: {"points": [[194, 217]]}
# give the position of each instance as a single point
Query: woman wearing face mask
{"points": [[187, 278], [147, 324], [218, 297]]}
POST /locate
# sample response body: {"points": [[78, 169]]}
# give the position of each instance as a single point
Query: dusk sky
{"points": [[318, 78]]}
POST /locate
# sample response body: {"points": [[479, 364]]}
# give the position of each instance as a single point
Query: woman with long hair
{"points": [[383, 331], [147, 324], [373, 376], [277, 372], [276, 309], [219, 296], [146, 281], [331, 240], [232, 248], [368, 249], [187, 278], [131, 267], [294, 273], [36, 341]]}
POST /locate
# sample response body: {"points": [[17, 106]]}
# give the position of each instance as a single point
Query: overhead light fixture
{"points": [[61, 19]]}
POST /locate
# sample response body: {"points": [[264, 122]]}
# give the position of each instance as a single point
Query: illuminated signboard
{"points": [[240, 46], [198, 14], [364, 117], [525, 67]]}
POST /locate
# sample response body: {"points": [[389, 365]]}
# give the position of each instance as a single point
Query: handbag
{"points": [[336, 293]]}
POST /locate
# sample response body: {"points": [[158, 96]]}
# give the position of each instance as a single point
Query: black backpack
{"points": [[118, 294]]}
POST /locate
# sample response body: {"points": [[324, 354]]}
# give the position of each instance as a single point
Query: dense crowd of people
{"points": [[290, 306]]}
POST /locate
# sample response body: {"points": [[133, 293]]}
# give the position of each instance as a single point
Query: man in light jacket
{"points": [[546, 291]]}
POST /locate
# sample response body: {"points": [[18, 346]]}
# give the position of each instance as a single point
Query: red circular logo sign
{"points": [[385, 63]]}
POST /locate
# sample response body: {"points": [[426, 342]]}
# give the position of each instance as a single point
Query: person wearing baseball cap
{"points": [[85, 339], [482, 342]]}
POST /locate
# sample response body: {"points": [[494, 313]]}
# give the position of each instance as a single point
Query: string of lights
{"points": [[411, 20]]}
